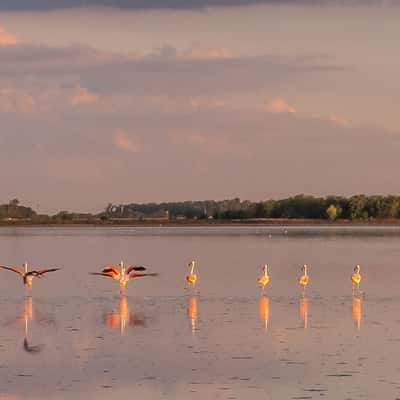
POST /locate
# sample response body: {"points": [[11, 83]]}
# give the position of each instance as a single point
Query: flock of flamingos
{"points": [[123, 275], [124, 317]]}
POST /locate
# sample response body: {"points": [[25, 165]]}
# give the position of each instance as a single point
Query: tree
{"points": [[358, 208], [332, 212]]}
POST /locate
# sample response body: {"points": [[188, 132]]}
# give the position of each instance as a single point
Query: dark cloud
{"points": [[27, 59], [43, 5], [164, 73]]}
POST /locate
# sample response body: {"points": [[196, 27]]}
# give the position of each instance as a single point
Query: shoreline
{"points": [[203, 223]]}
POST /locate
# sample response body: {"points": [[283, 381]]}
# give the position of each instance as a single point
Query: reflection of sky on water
{"points": [[158, 342]]}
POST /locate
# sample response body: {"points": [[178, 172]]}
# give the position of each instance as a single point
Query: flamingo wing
{"points": [[40, 272], [111, 268], [109, 274], [135, 268], [14, 269], [138, 275]]}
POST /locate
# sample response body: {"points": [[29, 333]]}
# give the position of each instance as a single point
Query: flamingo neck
{"points": [[122, 266]]}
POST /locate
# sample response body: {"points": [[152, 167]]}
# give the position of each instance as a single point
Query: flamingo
{"points": [[356, 278], [122, 274], [27, 276], [192, 277], [303, 281], [264, 278]]}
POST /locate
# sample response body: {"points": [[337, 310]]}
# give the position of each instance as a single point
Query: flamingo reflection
{"points": [[122, 317], [28, 317], [303, 308], [264, 310], [356, 312], [192, 313]]}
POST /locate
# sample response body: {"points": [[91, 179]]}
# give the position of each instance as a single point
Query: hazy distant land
{"points": [[297, 210]]}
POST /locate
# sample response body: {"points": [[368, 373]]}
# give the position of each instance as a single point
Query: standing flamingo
{"points": [[122, 274], [303, 281], [356, 278], [27, 276], [192, 277], [264, 279]]}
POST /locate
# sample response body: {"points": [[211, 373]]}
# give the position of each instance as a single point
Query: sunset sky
{"points": [[161, 100]]}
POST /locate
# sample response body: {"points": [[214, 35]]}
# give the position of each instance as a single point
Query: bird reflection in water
{"points": [[28, 317], [122, 317], [192, 313], [264, 310], [357, 312], [303, 309]]}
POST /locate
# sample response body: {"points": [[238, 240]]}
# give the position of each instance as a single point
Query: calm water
{"points": [[76, 337]]}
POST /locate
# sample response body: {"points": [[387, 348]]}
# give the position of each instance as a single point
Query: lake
{"points": [[76, 337]]}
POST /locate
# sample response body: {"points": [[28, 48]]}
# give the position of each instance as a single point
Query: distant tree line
{"points": [[358, 207]]}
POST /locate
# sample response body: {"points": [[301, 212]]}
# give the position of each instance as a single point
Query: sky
{"points": [[163, 100]]}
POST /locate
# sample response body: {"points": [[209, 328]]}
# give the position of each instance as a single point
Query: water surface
{"points": [[76, 337]]}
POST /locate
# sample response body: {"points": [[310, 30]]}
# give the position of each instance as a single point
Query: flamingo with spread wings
{"points": [[27, 276], [122, 274]]}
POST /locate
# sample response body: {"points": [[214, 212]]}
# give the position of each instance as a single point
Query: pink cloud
{"points": [[125, 142], [84, 97], [7, 38], [280, 106]]}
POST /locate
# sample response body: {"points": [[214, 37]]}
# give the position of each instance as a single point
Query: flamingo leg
{"points": [[28, 291]]}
